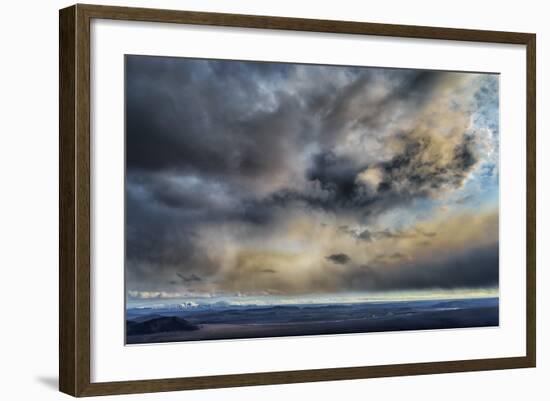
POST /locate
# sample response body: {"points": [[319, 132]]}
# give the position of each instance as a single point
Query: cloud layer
{"points": [[272, 178]]}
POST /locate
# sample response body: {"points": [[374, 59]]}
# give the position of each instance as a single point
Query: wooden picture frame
{"points": [[74, 204]]}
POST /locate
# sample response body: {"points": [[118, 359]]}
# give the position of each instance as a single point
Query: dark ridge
{"points": [[159, 325]]}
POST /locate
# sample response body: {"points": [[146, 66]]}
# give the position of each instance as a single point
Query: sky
{"points": [[274, 181]]}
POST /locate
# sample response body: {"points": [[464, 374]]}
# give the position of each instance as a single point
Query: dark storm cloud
{"points": [[218, 118], [214, 120], [338, 108], [336, 175], [474, 268], [339, 258], [218, 143], [411, 174], [190, 278], [203, 117], [365, 235], [160, 243], [415, 173]]}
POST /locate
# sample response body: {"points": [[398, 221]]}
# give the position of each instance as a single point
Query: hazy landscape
{"points": [[181, 322]]}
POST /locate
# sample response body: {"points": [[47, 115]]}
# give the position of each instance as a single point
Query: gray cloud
{"points": [[339, 258], [368, 235], [473, 268], [416, 172], [190, 278], [190, 116]]}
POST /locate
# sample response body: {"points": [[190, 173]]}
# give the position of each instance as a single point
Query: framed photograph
{"points": [[250, 200]]}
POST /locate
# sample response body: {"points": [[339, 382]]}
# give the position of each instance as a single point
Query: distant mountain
{"points": [[184, 305], [190, 305], [159, 324], [220, 303]]}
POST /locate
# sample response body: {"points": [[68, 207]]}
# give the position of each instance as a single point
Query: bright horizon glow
{"points": [[168, 299]]}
